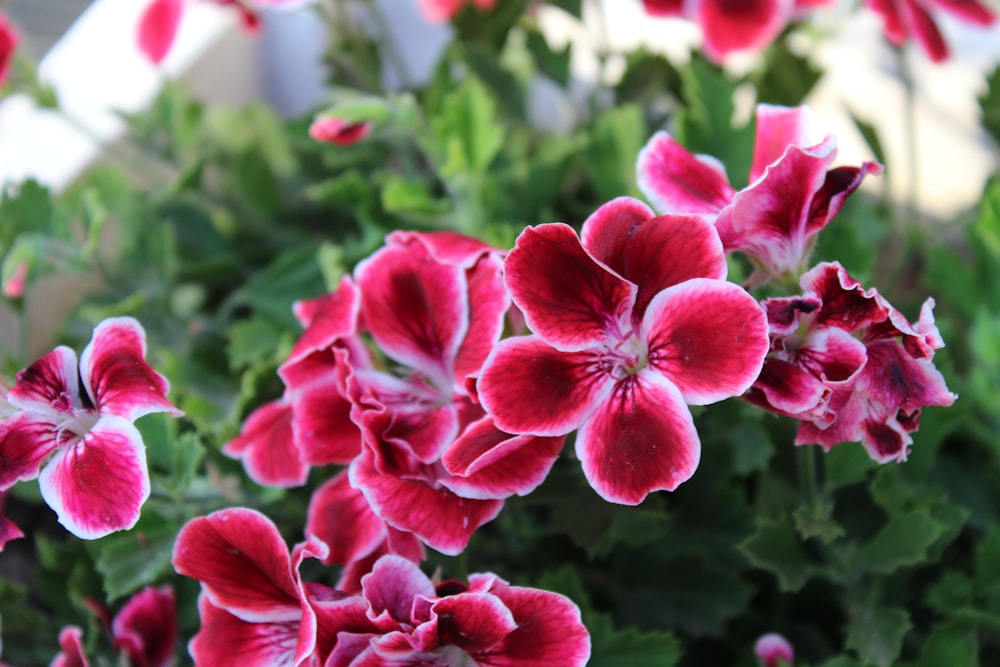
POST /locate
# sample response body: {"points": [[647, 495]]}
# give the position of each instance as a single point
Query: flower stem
{"points": [[807, 475]]}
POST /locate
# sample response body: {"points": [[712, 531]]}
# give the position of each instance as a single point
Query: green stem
{"points": [[808, 476]]}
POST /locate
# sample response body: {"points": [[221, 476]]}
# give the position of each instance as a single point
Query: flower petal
{"points": [[787, 389], [488, 304], [732, 27], [25, 442], [709, 337], [339, 131], [327, 319], [225, 640], [488, 463], [567, 298], [267, 448], [341, 517], [146, 627], [390, 589], [642, 439], [158, 26], [71, 645], [115, 373], [50, 387], [778, 128], [837, 187], [475, 622], [676, 181], [242, 563], [530, 387], [321, 421], [416, 309], [652, 252], [445, 247], [98, 484]]}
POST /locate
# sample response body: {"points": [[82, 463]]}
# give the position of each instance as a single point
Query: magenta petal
{"points": [[653, 252], [390, 589], [969, 11], [837, 187], [25, 442], [732, 27], [445, 247], [146, 627], [115, 373], [225, 640], [568, 299], [488, 303], [266, 446], [488, 463], [321, 422], [157, 28], [642, 439], [416, 308], [242, 564], [709, 337], [897, 380], [676, 181], [549, 631], [8, 531], [529, 387], [49, 387], [925, 30], [664, 7], [98, 484], [341, 517], [475, 622], [777, 129], [409, 498], [71, 645], [327, 319], [787, 389]]}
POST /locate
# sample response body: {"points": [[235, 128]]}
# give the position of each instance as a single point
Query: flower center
{"points": [[625, 357]]}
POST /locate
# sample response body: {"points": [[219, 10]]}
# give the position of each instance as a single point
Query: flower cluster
{"points": [[257, 610], [70, 425]]}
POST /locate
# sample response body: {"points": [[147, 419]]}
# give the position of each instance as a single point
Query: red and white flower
{"points": [[631, 325], [73, 429], [792, 193], [903, 19], [849, 365]]}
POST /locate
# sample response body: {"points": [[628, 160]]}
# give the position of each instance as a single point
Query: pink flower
{"points": [[9, 38], [161, 19], [774, 650], [255, 609], [849, 365], [439, 11], [79, 419], [915, 18], [13, 287], [8, 529], [631, 326], [71, 643], [145, 629], [791, 196], [331, 130], [485, 623]]}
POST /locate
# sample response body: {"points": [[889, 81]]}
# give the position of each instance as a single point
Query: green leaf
{"points": [[410, 198], [989, 103], [253, 341], [816, 520], [775, 547], [187, 456], [466, 136], [616, 139], [870, 136], [786, 77], [846, 465], [553, 64], [877, 634], [903, 541], [293, 275], [133, 559], [950, 645], [572, 7]]}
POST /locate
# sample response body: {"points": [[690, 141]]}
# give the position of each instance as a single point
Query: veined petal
{"points": [[445, 247], [652, 252], [146, 627], [549, 631], [709, 337], [416, 308], [567, 298], [413, 501], [732, 27], [321, 422], [837, 187], [98, 484], [885, 440], [50, 387], [327, 319], [475, 622], [778, 128], [488, 303], [487, 463], [341, 517], [225, 640], [845, 303], [898, 381], [677, 181], [787, 389], [158, 25], [397, 542], [242, 563], [71, 645], [390, 589], [641, 439], [267, 448], [25, 442], [115, 373], [530, 387]]}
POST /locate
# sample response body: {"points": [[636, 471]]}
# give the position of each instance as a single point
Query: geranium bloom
{"points": [[9, 37], [145, 629], [630, 326], [486, 623], [8, 529], [338, 131], [791, 196], [774, 650], [439, 11], [71, 645], [903, 19], [849, 365], [79, 418]]}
